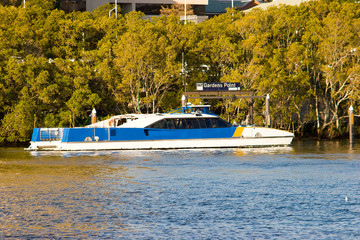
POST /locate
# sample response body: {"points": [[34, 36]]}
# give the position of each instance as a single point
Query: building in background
{"points": [[152, 7], [73, 5], [149, 7], [270, 3], [200, 8], [216, 7]]}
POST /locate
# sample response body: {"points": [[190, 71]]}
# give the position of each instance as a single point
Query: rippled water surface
{"points": [[310, 190]]}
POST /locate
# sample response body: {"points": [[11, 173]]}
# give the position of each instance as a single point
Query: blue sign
{"points": [[224, 86]]}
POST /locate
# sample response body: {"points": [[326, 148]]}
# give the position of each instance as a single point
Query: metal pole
{"points": [[351, 125], [115, 9], [267, 104], [185, 12], [24, 3], [232, 9], [183, 68]]}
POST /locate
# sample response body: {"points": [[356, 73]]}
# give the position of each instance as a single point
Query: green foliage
{"points": [[55, 67]]}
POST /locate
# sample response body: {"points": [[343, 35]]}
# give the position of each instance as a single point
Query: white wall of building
{"points": [[92, 4]]}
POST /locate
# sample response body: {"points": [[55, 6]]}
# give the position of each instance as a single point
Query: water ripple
{"points": [[291, 193]]}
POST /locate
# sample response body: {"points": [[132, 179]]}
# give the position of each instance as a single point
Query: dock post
{"points": [[267, 104], [251, 111], [93, 116], [183, 101], [351, 125]]}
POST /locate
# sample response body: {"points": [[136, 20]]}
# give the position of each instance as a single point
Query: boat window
{"points": [[196, 123], [121, 121], [112, 132], [170, 123], [163, 124], [208, 122], [217, 123], [181, 123], [178, 123], [202, 123], [222, 123], [213, 123], [190, 123], [159, 124], [198, 109]]}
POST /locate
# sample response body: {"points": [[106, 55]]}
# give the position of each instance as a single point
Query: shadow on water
{"points": [[50, 195], [326, 146]]}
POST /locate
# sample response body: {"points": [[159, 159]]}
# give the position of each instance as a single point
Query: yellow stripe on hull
{"points": [[238, 132]]}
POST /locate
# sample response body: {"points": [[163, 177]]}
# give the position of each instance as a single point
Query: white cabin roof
{"points": [[142, 120]]}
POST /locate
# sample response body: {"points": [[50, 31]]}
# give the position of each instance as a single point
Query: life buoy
{"points": [[111, 122]]}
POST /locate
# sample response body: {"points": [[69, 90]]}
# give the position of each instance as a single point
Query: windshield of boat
{"points": [[190, 123]]}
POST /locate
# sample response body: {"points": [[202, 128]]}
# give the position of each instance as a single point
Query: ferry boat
{"points": [[191, 126]]}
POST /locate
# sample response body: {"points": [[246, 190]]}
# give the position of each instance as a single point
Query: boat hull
{"points": [[234, 137], [162, 144]]}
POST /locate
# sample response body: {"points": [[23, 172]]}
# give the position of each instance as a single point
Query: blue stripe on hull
{"points": [[136, 134], [35, 135]]}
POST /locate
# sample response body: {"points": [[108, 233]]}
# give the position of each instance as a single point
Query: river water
{"points": [[310, 190]]}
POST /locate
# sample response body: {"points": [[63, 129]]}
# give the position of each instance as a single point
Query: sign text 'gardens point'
{"points": [[224, 86]]}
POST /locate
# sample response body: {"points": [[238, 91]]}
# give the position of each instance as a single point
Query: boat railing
{"points": [[51, 134], [193, 109]]}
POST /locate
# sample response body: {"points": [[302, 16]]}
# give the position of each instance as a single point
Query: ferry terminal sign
{"points": [[224, 86]]}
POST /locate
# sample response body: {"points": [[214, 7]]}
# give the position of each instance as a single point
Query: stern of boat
{"points": [[45, 139]]}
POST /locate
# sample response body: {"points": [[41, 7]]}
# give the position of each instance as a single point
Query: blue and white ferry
{"points": [[192, 126]]}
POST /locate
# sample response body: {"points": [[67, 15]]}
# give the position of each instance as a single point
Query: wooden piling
{"points": [[267, 105], [251, 111], [184, 100], [93, 116], [351, 125]]}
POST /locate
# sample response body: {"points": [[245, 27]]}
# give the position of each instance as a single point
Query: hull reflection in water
{"points": [[159, 152]]}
